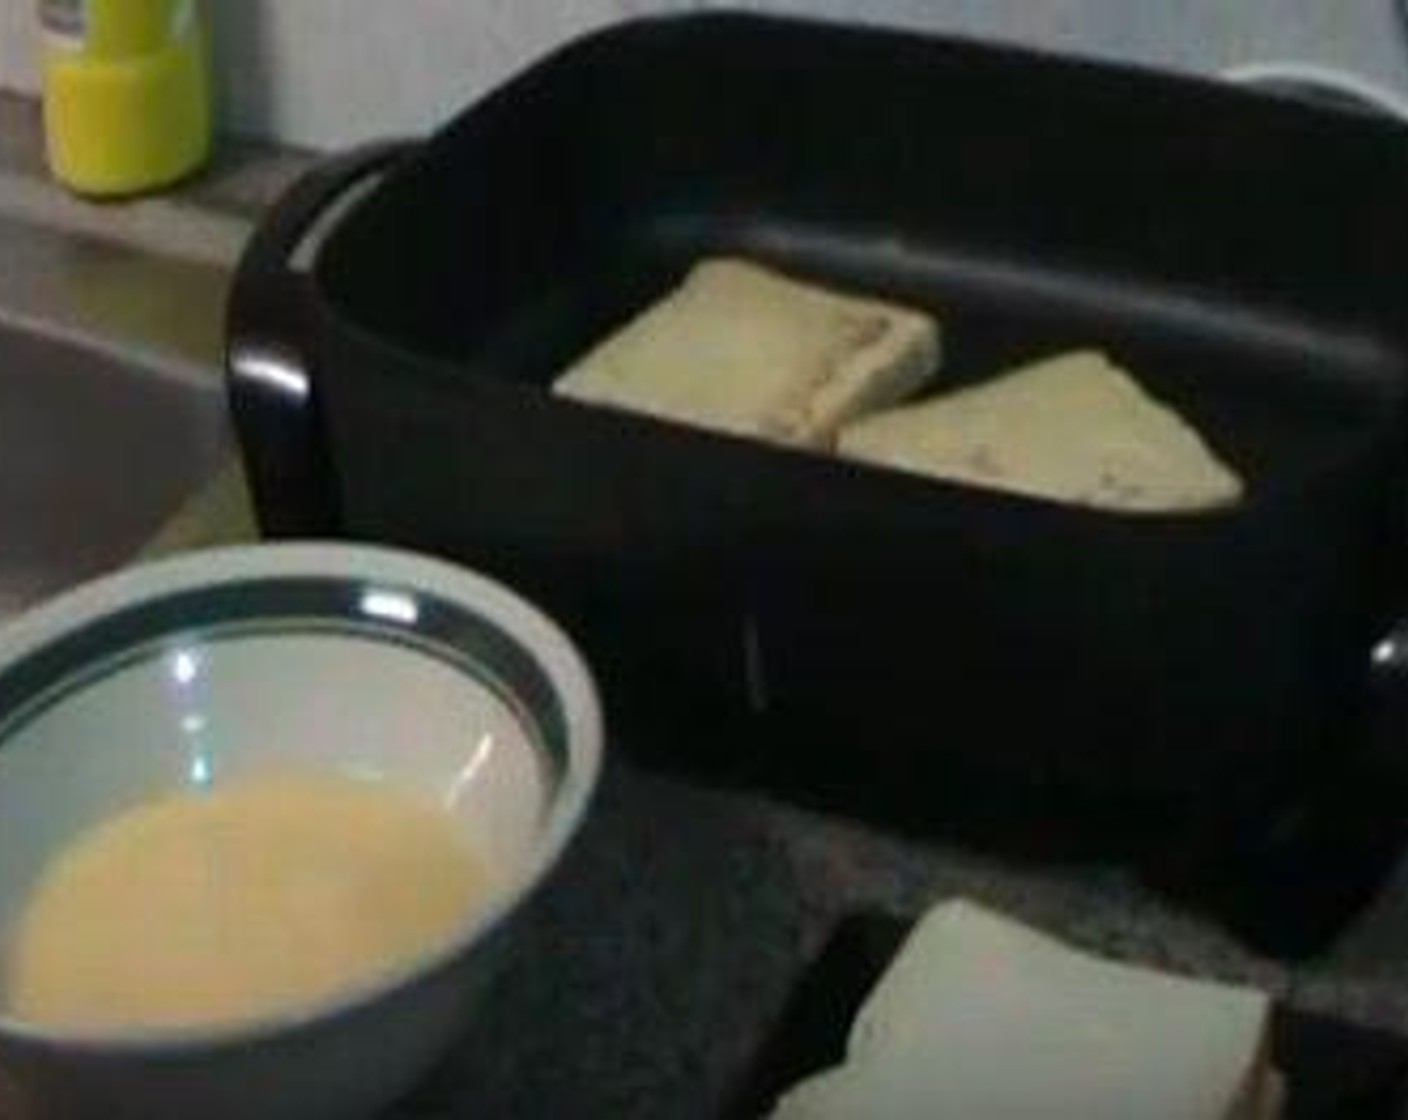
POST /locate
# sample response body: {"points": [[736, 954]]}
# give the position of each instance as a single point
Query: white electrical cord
{"points": [[1322, 81]]}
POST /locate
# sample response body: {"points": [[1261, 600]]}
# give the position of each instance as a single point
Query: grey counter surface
{"points": [[656, 965]]}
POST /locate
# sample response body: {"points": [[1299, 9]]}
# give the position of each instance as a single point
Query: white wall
{"points": [[16, 44], [329, 72]]}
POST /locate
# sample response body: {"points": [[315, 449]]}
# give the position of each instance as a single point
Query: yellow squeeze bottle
{"points": [[126, 93]]}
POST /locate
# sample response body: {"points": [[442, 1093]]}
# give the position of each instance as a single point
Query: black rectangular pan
{"points": [[766, 611]]}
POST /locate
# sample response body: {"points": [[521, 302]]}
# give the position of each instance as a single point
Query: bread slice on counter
{"points": [[1074, 428], [979, 1016], [746, 350]]}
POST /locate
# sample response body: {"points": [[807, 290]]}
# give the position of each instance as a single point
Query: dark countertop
{"points": [[653, 969]]}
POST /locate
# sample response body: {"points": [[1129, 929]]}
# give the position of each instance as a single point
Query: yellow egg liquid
{"points": [[237, 904]]}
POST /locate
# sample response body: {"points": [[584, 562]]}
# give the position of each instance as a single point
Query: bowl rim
{"points": [[567, 801]]}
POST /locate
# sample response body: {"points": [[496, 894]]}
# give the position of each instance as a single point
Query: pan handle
{"points": [[1390, 682], [1324, 84], [1321, 85], [270, 380]]}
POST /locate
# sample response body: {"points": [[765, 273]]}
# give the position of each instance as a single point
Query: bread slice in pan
{"points": [[1074, 428], [746, 350]]}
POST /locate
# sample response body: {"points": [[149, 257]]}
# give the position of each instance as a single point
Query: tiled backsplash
{"points": [[330, 72]]}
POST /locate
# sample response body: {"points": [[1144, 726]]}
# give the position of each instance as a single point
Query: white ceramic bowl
{"points": [[334, 658]]}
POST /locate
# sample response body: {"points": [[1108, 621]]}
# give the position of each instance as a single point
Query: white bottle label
{"points": [[65, 22]]}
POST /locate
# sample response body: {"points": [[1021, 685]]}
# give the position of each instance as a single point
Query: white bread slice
{"points": [[1074, 428], [982, 1017], [746, 350]]}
